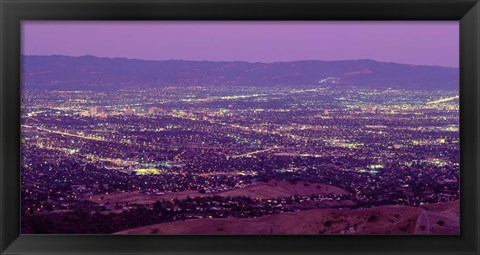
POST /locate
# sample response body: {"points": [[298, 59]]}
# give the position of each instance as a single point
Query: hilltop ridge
{"points": [[91, 73]]}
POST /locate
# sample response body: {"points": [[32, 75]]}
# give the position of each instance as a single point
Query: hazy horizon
{"points": [[417, 43], [250, 62]]}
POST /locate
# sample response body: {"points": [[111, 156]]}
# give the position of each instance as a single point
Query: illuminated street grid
{"points": [[384, 146]]}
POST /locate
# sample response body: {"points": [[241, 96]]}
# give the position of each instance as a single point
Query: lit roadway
{"points": [[65, 133], [251, 153], [294, 137], [442, 100]]}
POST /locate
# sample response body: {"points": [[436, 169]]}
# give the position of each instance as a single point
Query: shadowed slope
{"points": [[379, 220]]}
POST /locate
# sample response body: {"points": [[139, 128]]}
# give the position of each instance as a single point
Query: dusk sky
{"points": [[419, 43]]}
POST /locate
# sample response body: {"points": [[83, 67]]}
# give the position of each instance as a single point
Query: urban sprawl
{"points": [[130, 158]]}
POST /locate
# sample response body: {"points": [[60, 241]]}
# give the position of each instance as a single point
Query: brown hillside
{"points": [[379, 220]]}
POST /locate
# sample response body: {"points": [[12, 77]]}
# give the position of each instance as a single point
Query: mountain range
{"points": [[98, 73]]}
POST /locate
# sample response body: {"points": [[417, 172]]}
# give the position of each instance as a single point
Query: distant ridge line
{"points": [[91, 72]]}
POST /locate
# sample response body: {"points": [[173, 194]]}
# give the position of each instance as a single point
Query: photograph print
{"points": [[240, 127]]}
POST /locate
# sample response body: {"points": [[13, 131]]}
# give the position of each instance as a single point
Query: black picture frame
{"points": [[14, 11]]}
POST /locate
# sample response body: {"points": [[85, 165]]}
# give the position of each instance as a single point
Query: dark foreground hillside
{"points": [[442, 218]]}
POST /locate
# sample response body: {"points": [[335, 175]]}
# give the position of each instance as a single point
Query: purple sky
{"points": [[420, 43]]}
